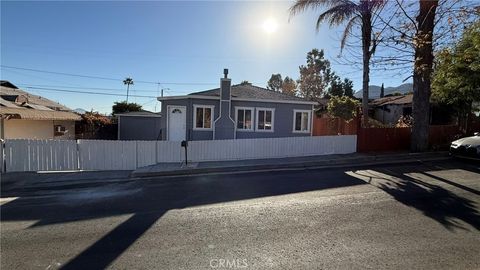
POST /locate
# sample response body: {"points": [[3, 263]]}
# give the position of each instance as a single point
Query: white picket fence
{"points": [[54, 155]]}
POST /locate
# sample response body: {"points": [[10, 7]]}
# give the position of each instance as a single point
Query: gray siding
{"points": [[139, 128], [282, 122], [191, 133], [283, 118]]}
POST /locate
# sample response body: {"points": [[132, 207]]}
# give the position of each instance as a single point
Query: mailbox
{"points": [[185, 144]]}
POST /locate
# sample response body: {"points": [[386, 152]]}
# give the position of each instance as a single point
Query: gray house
{"points": [[142, 125], [235, 112], [389, 109]]}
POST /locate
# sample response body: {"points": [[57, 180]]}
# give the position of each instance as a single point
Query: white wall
{"points": [[36, 129]]}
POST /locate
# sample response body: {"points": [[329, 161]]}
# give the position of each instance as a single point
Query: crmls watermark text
{"points": [[228, 263]]}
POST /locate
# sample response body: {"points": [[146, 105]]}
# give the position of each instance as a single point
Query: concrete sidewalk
{"points": [[325, 161], [41, 183]]}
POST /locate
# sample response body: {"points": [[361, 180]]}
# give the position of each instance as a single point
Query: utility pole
{"points": [[128, 81], [161, 95]]}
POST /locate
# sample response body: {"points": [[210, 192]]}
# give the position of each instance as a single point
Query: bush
{"points": [[343, 107]]}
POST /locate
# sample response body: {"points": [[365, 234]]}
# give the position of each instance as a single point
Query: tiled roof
{"points": [[33, 99], [18, 104], [247, 91], [397, 100], [31, 114]]}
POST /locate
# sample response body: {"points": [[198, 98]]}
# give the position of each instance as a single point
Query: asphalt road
{"points": [[404, 216]]}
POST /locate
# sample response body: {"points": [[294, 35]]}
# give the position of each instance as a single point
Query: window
{"points": [[202, 117], [265, 119], [301, 121], [244, 119], [59, 130]]}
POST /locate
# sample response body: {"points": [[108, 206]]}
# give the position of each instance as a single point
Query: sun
{"points": [[270, 26]]}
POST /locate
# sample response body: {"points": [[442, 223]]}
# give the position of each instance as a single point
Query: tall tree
{"points": [[128, 81], [316, 76], [456, 77], [122, 107], [347, 86], [289, 86], [340, 88], [416, 30], [275, 82], [422, 71], [352, 13], [336, 87]]}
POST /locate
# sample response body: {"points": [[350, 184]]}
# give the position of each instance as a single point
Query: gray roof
{"points": [[248, 91], [141, 113], [396, 100]]}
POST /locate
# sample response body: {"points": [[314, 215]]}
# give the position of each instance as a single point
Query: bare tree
{"points": [[362, 14], [420, 29]]}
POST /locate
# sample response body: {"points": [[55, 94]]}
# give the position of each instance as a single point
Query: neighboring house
{"points": [[27, 116], [143, 125], [389, 109], [235, 112]]}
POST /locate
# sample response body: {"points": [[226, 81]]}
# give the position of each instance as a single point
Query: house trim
{"points": [[257, 110], [253, 118], [295, 111], [238, 99], [212, 116], [127, 115]]}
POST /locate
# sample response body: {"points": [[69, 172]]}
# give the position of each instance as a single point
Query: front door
{"points": [[177, 123]]}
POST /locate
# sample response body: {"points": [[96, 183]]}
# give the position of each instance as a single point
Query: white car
{"points": [[466, 147]]}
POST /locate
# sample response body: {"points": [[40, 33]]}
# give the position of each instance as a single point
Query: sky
{"points": [[178, 46]]}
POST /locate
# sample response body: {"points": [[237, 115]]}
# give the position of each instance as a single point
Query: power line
{"points": [[85, 92], [81, 87], [102, 78]]}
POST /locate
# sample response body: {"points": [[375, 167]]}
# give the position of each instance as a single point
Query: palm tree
{"points": [[345, 11], [128, 81]]}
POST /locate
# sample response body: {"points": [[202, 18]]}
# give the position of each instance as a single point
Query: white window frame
{"points": [[309, 121], [257, 110], [252, 109], [212, 116]]}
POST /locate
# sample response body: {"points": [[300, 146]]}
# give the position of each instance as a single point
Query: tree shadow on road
{"points": [[148, 200], [432, 200]]}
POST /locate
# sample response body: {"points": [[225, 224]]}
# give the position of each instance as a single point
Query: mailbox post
{"points": [[185, 145]]}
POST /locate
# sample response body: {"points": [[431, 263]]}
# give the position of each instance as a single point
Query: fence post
{"points": [[78, 154], [2, 156], [156, 152], [136, 155]]}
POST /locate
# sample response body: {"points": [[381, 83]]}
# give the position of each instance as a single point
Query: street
{"points": [[403, 216]]}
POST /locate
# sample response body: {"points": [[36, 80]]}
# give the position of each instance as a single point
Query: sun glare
{"points": [[270, 25]]}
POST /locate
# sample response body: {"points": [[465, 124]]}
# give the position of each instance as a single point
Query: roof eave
{"points": [[305, 102]]}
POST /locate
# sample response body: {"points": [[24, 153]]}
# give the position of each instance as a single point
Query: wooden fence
{"points": [[398, 139], [54, 155], [324, 126]]}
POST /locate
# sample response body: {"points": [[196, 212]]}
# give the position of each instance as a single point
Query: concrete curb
{"points": [[57, 186], [323, 164]]}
